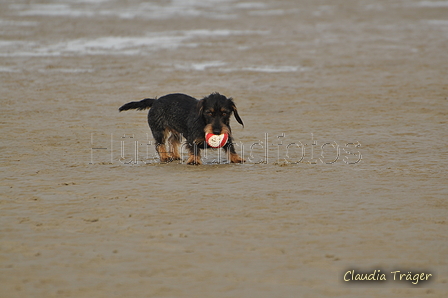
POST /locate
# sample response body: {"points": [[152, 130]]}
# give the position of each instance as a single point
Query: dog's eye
{"points": [[224, 114], [208, 113]]}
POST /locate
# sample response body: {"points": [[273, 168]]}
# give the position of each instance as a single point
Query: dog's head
{"points": [[216, 110]]}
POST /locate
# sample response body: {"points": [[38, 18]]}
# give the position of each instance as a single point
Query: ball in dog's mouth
{"points": [[216, 141]]}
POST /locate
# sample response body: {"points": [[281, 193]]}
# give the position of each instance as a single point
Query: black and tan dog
{"points": [[177, 115]]}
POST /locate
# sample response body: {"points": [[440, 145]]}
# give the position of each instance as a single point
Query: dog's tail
{"points": [[138, 105]]}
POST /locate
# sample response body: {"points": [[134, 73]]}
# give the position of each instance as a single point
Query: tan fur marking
{"points": [[235, 158], [208, 129], [225, 129], [174, 144], [194, 160], [163, 154]]}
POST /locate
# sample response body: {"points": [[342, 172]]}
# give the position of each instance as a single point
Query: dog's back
{"points": [[174, 112], [168, 102], [174, 105]]}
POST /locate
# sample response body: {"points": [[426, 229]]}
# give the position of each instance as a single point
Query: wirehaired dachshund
{"points": [[177, 115]]}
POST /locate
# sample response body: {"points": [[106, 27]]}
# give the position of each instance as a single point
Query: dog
{"points": [[177, 115]]}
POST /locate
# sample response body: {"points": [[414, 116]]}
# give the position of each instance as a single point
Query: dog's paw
{"points": [[166, 160], [194, 160], [235, 158]]}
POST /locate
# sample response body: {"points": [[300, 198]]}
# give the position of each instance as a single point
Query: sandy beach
{"points": [[345, 106]]}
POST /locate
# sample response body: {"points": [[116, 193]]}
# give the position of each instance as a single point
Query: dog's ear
{"points": [[235, 112], [200, 106]]}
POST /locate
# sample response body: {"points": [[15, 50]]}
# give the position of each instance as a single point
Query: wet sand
{"points": [[352, 99]]}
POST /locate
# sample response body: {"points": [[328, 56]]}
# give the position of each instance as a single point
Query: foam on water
{"points": [[271, 12], [199, 66], [433, 3], [52, 10], [67, 70], [437, 22], [214, 9], [218, 66], [116, 45], [138, 45], [272, 69], [250, 5], [17, 23], [8, 69]]}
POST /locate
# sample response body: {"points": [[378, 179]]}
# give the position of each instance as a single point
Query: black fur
{"points": [[180, 115], [138, 105]]}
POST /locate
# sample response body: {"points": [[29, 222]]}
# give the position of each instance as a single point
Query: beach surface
{"points": [[345, 106]]}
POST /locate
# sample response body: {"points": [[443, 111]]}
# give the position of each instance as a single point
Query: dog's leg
{"points": [[195, 155], [235, 158], [160, 138], [163, 153], [174, 142], [230, 149]]}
